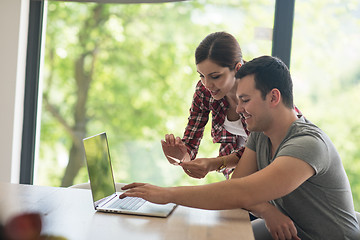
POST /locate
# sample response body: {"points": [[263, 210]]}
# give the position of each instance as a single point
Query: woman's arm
{"points": [[199, 167], [197, 120]]}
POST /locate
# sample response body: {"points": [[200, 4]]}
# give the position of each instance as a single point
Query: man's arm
{"points": [[281, 177], [276, 222], [246, 165]]}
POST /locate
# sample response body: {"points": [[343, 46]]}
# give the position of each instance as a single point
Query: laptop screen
{"points": [[99, 166]]}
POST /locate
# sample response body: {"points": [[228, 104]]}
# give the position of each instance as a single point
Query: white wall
{"points": [[13, 42]]}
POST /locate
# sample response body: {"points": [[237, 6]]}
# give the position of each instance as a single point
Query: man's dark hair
{"points": [[269, 73]]}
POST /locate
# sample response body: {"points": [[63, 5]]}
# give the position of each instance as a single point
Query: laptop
{"points": [[102, 184]]}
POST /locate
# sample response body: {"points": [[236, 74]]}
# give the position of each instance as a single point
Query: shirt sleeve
{"points": [[251, 141], [310, 149], [199, 116]]}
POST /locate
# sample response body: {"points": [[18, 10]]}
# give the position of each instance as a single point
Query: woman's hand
{"points": [[174, 147], [197, 168]]}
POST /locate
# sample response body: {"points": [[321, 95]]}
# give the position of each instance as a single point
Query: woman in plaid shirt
{"points": [[218, 57]]}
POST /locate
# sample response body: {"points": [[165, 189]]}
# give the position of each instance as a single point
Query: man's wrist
{"points": [[262, 209]]}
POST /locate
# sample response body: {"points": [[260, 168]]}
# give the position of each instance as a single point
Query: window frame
{"points": [[36, 13]]}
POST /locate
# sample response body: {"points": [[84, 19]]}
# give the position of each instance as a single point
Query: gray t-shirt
{"points": [[322, 207]]}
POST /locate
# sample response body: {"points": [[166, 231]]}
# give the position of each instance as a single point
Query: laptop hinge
{"points": [[103, 201]]}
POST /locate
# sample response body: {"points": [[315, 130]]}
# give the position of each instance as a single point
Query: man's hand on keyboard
{"points": [[148, 192]]}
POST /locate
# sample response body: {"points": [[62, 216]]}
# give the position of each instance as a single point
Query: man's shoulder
{"points": [[303, 127]]}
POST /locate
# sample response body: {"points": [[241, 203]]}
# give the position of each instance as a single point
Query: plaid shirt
{"points": [[203, 103]]}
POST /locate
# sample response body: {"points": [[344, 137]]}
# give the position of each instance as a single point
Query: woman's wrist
{"points": [[222, 166], [215, 163], [228, 161]]}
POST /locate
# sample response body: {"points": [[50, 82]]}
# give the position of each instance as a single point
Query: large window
{"points": [[128, 69], [325, 68]]}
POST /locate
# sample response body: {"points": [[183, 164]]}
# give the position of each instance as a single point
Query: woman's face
{"points": [[218, 80]]}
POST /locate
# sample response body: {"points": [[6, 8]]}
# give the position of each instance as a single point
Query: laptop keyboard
{"points": [[128, 203]]}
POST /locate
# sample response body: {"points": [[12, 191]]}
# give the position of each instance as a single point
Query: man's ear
{"points": [[275, 97]]}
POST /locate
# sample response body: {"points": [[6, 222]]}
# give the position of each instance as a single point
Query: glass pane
{"points": [[128, 69], [325, 67]]}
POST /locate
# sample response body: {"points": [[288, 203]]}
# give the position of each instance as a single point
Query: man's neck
{"points": [[281, 124]]}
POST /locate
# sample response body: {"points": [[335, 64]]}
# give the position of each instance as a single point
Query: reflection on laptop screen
{"points": [[99, 166]]}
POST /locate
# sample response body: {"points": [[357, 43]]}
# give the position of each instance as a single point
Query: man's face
{"points": [[251, 104]]}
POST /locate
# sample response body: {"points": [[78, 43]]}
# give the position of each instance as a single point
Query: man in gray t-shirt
{"points": [[322, 205], [314, 199], [289, 175]]}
